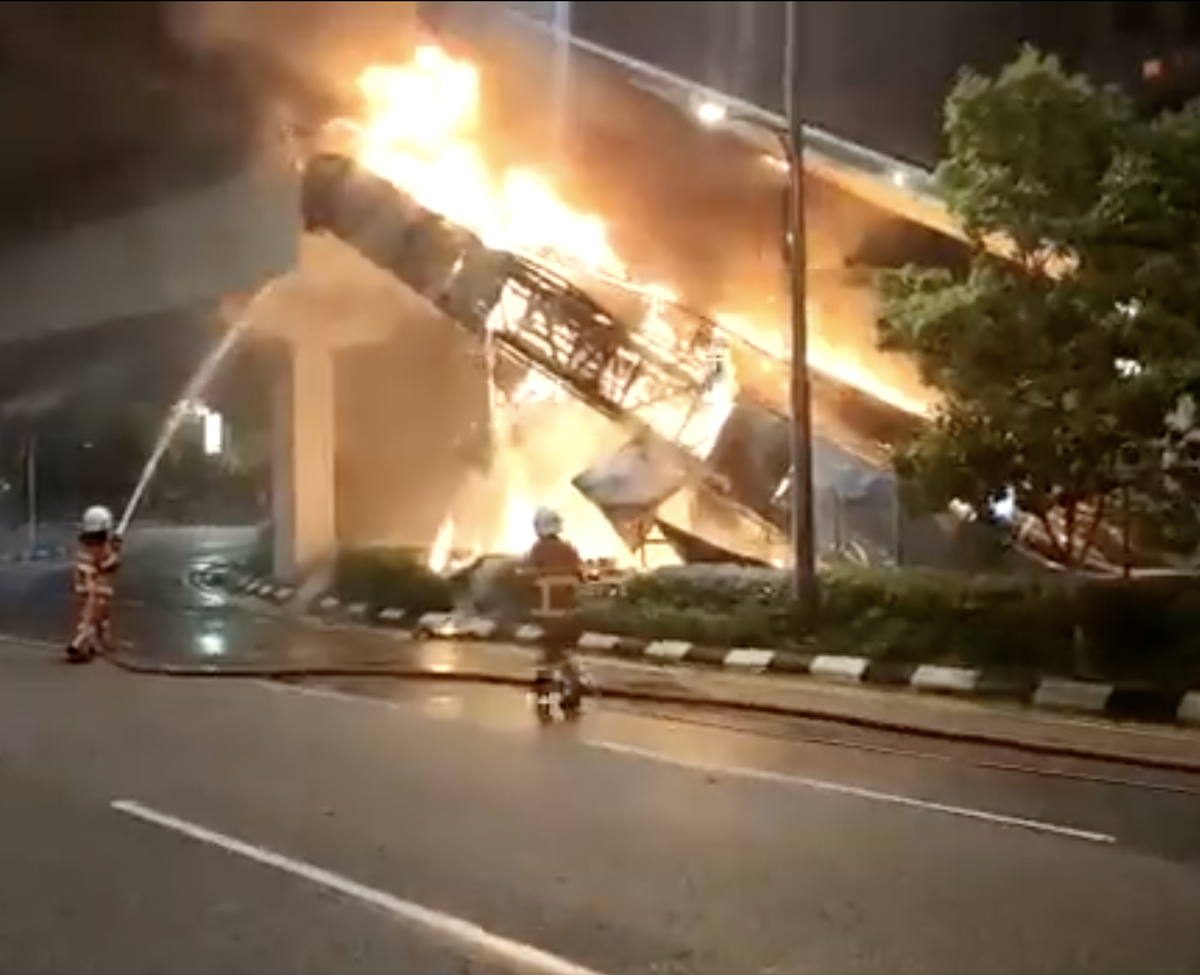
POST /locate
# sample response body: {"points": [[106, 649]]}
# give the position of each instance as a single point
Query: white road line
{"points": [[343, 697], [447, 926], [304, 690], [821, 785], [13, 641]]}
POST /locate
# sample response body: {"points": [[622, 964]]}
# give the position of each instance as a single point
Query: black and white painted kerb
{"points": [[1045, 693]]}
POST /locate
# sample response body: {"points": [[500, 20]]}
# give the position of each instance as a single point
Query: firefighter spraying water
{"points": [[96, 565], [100, 535]]}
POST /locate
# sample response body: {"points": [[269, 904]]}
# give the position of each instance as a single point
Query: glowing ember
{"points": [[419, 130], [493, 513], [442, 547], [824, 357]]}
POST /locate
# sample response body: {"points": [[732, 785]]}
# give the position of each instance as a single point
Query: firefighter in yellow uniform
{"points": [[557, 570], [96, 563]]}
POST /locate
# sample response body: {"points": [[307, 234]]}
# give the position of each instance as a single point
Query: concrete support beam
{"points": [[184, 251], [304, 491]]}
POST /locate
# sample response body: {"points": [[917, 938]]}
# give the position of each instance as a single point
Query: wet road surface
{"points": [[88, 889], [622, 843], [355, 824]]}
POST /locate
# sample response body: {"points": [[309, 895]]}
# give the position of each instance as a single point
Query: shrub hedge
{"points": [[1144, 629], [1139, 630], [383, 577]]}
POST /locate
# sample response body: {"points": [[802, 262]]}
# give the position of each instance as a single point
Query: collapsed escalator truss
{"points": [[536, 315]]}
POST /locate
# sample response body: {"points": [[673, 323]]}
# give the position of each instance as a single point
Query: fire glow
{"points": [[419, 129]]}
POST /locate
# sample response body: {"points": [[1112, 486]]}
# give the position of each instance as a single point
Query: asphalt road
{"points": [[87, 889], [596, 843], [366, 825]]}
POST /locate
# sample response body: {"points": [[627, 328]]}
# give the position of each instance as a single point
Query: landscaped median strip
{"points": [[1135, 703]]}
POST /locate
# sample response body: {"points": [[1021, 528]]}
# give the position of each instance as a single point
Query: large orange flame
{"points": [[419, 130]]}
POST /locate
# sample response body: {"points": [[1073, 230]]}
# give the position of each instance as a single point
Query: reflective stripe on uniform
{"points": [[91, 578], [556, 595], [85, 576]]}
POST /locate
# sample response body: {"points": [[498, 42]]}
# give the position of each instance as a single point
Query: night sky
{"points": [[872, 71]]}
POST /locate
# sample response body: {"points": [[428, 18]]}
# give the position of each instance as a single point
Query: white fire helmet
{"points": [[97, 519], [547, 523]]}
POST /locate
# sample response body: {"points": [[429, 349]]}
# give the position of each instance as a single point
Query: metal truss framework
{"points": [[535, 314], [541, 318]]}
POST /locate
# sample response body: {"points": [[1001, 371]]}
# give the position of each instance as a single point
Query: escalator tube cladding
{"points": [[441, 261]]}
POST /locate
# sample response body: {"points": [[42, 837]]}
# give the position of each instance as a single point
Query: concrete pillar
{"points": [[303, 495]]}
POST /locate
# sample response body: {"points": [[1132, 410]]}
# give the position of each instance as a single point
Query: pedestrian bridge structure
{"points": [[242, 230]]}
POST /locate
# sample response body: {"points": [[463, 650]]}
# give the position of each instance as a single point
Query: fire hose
{"points": [[128, 662]]}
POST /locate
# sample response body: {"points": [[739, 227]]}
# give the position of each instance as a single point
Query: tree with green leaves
{"points": [[1075, 327]]}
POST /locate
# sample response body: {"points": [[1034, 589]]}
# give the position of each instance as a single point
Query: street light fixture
{"points": [[712, 113], [213, 431], [790, 139], [212, 425]]}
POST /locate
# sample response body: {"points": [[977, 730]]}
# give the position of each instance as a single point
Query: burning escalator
{"points": [[700, 458]]}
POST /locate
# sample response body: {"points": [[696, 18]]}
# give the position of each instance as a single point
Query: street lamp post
{"points": [[804, 541], [31, 493], [794, 253]]}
